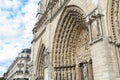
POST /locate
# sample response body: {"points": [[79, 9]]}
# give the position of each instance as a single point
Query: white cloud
{"points": [[2, 69], [9, 4], [16, 24], [6, 54]]}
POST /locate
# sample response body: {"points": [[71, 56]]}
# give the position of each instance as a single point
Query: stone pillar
{"points": [[101, 53], [102, 62], [90, 71], [73, 73], [69, 74], [78, 72], [59, 74], [62, 74]]}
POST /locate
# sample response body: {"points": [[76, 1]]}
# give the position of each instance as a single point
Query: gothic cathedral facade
{"points": [[76, 40]]}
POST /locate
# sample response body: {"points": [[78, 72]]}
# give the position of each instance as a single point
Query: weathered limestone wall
{"points": [[86, 5], [102, 63], [100, 48]]}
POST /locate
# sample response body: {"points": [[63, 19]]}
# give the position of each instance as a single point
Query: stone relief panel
{"points": [[94, 23], [94, 30]]}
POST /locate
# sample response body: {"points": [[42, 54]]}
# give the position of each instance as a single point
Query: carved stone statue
{"points": [[85, 71], [95, 27], [94, 30]]}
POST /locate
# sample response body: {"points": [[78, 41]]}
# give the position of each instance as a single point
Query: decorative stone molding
{"points": [[115, 21], [114, 32], [40, 62]]}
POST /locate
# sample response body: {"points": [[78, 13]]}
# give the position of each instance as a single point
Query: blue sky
{"points": [[17, 19]]}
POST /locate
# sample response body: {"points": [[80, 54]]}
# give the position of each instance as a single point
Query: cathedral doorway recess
{"points": [[70, 46]]}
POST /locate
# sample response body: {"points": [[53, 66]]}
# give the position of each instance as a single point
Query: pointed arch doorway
{"points": [[70, 52]]}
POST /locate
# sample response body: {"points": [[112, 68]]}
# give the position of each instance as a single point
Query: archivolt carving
{"points": [[40, 64], [115, 21], [71, 38], [114, 5]]}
